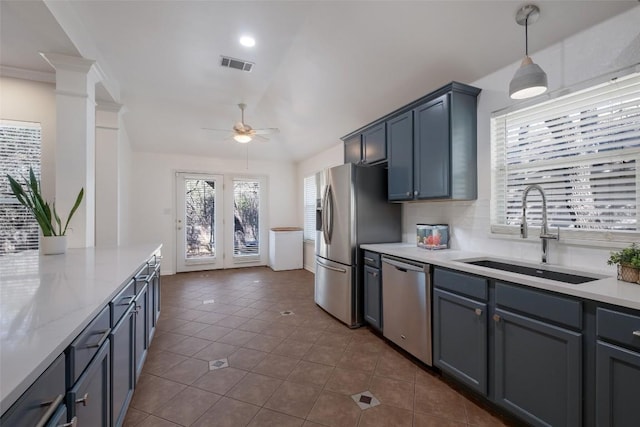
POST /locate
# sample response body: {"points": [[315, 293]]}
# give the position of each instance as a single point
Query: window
{"points": [[19, 150], [310, 208], [584, 150]]}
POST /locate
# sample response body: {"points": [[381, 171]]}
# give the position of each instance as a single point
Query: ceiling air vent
{"points": [[237, 64]]}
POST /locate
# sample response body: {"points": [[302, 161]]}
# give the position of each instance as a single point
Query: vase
{"points": [[53, 245], [628, 273]]}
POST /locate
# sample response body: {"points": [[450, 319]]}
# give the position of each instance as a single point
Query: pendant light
{"points": [[530, 80]]}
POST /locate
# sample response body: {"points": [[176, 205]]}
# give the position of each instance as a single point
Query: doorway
{"points": [[219, 222]]}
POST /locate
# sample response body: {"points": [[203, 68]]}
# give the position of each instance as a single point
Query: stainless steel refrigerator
{"points": [[352, 209]]}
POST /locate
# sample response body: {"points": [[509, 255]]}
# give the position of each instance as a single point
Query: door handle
{"points": [[105, 334], [51, 408], [339, 270], [84, 400], [636, 333]]}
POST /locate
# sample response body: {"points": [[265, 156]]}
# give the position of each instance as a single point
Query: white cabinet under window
{"points": [[285, 248]]}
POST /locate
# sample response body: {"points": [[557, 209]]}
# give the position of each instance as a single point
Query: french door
{"points": [[199, 227], [219, 221]]}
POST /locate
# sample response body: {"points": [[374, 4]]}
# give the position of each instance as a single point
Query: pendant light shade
{"points": [[530, 80]]}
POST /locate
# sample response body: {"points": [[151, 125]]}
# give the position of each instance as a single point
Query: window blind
{"points": [[310, 208], [583, 149], [20, 144]]}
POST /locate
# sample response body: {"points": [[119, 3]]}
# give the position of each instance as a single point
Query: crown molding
{"points": [[60, 61], [26, 74]]}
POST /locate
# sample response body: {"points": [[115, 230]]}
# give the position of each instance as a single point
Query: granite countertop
{"points": [[46, 301], [607, 289]]}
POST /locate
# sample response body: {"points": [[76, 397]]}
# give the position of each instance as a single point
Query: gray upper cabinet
{"points": [[367, 146], [374, 145], [400, 149], [432, 150], [443, 150], [353, 149]]}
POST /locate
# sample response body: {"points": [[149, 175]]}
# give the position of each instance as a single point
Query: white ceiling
{"points": [[323, 68]]}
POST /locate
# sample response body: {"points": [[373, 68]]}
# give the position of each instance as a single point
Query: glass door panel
{"points": [[246, 219], [199, 222]]}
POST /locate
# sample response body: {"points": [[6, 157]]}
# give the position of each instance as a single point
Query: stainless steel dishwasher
{"points": [[406, 306]]}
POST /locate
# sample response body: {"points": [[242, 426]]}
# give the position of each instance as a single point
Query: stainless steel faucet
{"points": [[544, 231]]}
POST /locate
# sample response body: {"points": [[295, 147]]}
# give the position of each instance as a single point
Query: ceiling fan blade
{"points": [[216, 130], [260, 138], [266, 131]]}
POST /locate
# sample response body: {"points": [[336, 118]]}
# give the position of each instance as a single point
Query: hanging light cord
{"points": [[526, 35]]}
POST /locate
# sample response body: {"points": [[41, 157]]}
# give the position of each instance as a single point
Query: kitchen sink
{"points": [[534, 271]]}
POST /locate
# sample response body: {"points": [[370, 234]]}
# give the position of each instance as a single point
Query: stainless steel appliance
{"points": [[406, 302], [352, 210]]}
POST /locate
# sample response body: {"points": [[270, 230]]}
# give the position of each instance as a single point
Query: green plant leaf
{"points": [[57, 218], [73, 210]]}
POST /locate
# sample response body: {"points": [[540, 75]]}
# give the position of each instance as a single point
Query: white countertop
{"points": [[46, 301], [607, 290]]}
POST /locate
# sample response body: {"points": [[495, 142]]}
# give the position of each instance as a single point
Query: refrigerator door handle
{"points": [[339, 270], [327, 217]]}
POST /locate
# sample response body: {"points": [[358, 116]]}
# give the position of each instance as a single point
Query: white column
{"points": [[107, 176], [76, 79]]}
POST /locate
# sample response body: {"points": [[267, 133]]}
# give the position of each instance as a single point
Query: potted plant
{"points": [[54, 235], [628, 262]]}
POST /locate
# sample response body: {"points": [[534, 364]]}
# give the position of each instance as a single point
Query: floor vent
{"points": [[237, 64]]}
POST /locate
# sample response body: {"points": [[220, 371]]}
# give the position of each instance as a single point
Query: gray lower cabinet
{"points": [[59, 419], [89, 399], [142, 329], [617, 368], [373, 297], [460, 338], [122, 365], [538, 370], [41, 401]]}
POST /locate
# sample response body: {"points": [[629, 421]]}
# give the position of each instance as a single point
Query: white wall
{"points": [[153, 199], [30, 101], [603, 48], [125, 165], [328, 158]]}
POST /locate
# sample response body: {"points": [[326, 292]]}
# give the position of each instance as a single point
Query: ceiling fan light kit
{"points": [[530, 80], [242, 139]]}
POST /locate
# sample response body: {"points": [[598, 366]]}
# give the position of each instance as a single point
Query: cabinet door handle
{"points": [[72, 423], [416, 192], [129, 299], [105, 334], [84, 400], [408, 193], [478, 312], [374, 274], [496, 318], [51, 408], [636, 333], [369, 259]]}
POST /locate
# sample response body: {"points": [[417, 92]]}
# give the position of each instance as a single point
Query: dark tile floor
{"points": [[250, 347]]}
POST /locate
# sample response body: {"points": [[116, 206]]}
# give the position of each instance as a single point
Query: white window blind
{"points": [[584, 150], [310, 208], [19, 150]]}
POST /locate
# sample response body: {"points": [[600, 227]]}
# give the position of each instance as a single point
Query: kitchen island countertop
{"points": [[607, 289], [46, 301]]}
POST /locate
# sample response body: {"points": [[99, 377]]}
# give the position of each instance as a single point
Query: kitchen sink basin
{"points": [[534, 271]]}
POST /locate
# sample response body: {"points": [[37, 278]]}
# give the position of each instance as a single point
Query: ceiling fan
{"points": [[243, 133]]}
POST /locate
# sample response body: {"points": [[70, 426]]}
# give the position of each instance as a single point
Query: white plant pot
{"points": [[53, 245]]}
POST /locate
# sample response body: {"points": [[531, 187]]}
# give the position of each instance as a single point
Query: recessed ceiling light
{"points": [[247, 41]]}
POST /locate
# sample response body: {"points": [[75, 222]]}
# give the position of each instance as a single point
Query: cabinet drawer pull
{"points": [[403, 337], [129, 299], [105, 334], [52, 406], [636, 333], [496, 318], [478, 312], [408, 193], [84, 400], [369, 259], [72, 423]]}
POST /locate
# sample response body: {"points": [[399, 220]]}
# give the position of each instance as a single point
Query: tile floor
{"points": [[250, 347]]}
